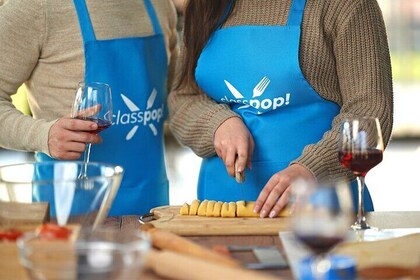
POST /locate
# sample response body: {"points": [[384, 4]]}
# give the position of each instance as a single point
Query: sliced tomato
{"points": [[52, 231], [10, 235]]}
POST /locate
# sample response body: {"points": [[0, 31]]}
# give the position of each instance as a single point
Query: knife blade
{"points": [[240, 178]]}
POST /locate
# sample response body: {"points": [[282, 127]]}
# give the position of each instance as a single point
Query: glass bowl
{"points": [[93, 254], [62, 192]]}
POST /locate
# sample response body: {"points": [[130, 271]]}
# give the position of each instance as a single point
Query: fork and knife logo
{"points": [[137, 117], [255, 102], [257, 91]]}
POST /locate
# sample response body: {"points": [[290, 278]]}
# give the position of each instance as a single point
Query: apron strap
{"points": [[85, 23], [153, 17], [296, 12]]}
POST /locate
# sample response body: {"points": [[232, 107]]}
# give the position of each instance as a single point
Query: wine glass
{"points": [[320, 220], [93, 102], [360, 148]]}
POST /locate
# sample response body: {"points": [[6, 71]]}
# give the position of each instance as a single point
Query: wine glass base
{"points": [[362, 226]]}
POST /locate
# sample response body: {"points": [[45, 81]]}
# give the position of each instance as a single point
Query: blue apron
{"points": [[136, 69], [255, 69]]}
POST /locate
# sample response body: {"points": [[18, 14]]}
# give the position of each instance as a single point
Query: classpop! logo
{"points": [[137, 117], [257, 101]]}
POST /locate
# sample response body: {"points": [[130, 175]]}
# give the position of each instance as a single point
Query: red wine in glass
{"points": [[102, 124], [360, 162], [319, 244]]}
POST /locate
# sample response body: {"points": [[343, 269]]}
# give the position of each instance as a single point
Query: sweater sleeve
{"points": [[194, 118], [22, 24], [365, 79]]}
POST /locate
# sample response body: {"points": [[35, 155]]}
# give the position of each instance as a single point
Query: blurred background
{"points": [[393, 183]]}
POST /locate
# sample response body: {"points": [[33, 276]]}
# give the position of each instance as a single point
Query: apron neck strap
{"points": [[153, 17], [86, 27], [85, 23], [296, 12]]}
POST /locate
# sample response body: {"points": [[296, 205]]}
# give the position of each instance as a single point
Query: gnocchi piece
{"points": [[217, 209], [209, 208], [202, 208], [194, 207], [185, 209]]}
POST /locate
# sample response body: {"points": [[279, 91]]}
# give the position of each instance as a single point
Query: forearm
{"points": [[20, 132], [365, 79]]}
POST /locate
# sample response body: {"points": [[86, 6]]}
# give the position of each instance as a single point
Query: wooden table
{"points": [[378, 219]]}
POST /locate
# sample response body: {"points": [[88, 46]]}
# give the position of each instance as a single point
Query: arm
{"points": [[21, 36], [364, 74]]}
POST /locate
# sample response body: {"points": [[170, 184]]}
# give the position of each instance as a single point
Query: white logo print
{"points": [[266, 104], [138, 117]]}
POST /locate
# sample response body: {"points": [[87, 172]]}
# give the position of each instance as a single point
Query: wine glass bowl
{"points": [[360, 148], [93, 102]]}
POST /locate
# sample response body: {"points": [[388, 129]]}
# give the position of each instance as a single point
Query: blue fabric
{"points": [[255, 70], [136, 70]]}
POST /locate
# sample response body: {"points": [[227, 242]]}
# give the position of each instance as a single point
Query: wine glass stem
{"points": [[320, 267], [360, 219], [86, 159]]}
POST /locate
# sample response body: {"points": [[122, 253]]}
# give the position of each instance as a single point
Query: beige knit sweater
{"points": [[343, 54], [41, 46]]}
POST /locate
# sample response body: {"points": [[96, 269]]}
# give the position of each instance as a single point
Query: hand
{"points": [[275, 194], [68, 137], [233, 141]]}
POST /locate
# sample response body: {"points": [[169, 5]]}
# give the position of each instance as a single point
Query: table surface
{"points": [[381, 220]]}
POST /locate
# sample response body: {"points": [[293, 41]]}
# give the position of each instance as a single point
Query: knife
{"points": [[240, 178]]}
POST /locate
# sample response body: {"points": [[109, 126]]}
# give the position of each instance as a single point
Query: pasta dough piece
{"points": [[232, 209], [194, 207], [209, 208], [184, 209], [228, 210], [202, 208], [217, 209], [246, 209]]}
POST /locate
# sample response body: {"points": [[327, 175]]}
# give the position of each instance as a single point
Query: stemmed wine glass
{"points": [[320, 220], [360, 148], [93, 102]]}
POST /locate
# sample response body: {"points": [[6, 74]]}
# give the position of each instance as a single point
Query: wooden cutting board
{"points": [[401, 251], [168, 218]]}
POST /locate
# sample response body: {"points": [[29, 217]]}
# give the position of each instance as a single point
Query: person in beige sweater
{"points": [[264, 86], [52, 45]]}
